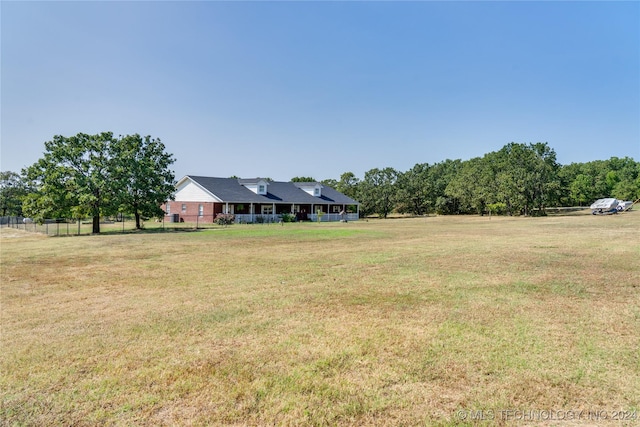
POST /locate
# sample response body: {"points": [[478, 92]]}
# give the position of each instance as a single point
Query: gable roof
{"points": [[231, 190]]}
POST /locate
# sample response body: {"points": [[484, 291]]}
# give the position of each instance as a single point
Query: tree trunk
{"points": [[138, 221], [96, 224]]}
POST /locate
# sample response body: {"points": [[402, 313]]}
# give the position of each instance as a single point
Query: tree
{"points": [[378, 191], [626, 181], [586, 182], [96, 175], [441, 175], [302, 179], [348, 185], [474, 185], [527, 177], [13, 190], [581, 188], [140, 171], [415, 188], [72, 179]]}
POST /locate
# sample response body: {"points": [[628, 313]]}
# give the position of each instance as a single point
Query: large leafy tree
{"points": [[96, 175], [441, 175], [348, 185], [474, 185], [378, 191], [415, 190], [527, 177], [140, 170], [13, 190], [72, 178]]}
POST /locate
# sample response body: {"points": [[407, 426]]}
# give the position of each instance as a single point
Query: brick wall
{"points": [[191, 210]]}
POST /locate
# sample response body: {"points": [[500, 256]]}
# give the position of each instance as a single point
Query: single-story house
{"points": [[201, 198]]}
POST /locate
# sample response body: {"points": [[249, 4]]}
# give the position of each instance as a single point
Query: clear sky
{"points": [[285, 89]]}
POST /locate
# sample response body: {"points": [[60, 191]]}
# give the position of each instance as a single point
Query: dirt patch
{"points": [[12, 233]]}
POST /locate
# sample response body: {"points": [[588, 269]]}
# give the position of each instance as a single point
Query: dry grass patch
{"points": [[365, 323]]}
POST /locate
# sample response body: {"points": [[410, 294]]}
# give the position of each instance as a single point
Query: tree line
{"points": [[519, 179], [96, 175]]}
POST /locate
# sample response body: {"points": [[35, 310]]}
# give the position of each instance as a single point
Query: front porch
{"points": [[275, 218], [273, 212]]}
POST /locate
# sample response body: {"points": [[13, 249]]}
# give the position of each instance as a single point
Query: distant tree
{"points": [[302, 179], [441, 175], [13, 191], [140, 171], [626, 181], [73, 178], [527, 177], [474, 185], [586, 182], [378, 191], [349, 185], [581, 189], [415, 190]]}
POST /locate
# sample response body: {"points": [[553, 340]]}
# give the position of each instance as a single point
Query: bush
{"points": [[287, 217], [225, 219]]}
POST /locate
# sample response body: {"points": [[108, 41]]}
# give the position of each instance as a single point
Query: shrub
{"points": [[287, 217], [225, 219]]}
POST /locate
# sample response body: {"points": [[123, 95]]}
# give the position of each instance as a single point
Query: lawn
{"points": [[426, 321]]}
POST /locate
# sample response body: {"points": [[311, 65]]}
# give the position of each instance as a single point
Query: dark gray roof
{"points": [[230, 190]]}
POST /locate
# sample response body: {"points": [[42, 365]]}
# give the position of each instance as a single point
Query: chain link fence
{"points": [[119, 224], [127, 224]]}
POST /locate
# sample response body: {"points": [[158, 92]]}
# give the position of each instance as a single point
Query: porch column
{"points": [[251, 212], [226, 207], [273, 211]]}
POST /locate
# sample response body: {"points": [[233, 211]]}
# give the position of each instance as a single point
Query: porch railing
{"points": [[275, 218]]}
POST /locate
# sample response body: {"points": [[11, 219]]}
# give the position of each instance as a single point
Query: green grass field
{"points": [[430, 321]]}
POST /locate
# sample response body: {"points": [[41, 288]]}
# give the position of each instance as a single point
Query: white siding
{"points": [[311, 189], [255, 187], [191, 192]]}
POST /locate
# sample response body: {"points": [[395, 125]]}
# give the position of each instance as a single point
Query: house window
{"points": [[200, 210], [316, 192], [267, 210], [261, 189], [184, 208], [337, 209], [168, 209]]}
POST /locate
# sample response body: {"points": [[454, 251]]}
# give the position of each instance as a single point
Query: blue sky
{"points": [[284, 89]]}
